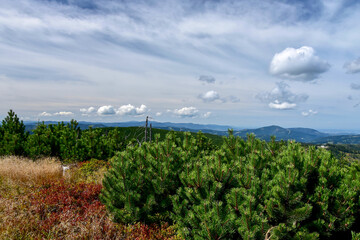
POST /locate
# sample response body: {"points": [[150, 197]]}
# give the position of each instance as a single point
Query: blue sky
{"points": [[241, 63]]}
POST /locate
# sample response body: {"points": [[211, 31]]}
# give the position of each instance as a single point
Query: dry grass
{"points": [[38, 202], [25, 171]]}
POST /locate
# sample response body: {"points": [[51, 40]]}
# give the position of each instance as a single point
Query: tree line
{"points": [[65, 141]]}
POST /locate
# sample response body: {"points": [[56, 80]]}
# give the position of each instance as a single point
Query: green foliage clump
{"points": [[141, 180], [244, 190], [68, 142], [12, 135]]}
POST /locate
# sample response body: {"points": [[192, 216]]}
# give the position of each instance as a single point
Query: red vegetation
{"points": [[62, 210]]}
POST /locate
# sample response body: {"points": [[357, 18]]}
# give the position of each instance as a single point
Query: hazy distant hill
{"points": [[298, 134], [305, 135], [344, 139]]}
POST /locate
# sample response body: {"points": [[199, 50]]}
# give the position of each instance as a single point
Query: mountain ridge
{"points": [[299, 134]]}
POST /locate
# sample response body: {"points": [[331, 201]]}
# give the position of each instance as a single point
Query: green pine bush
{"points": [[244, 190]]}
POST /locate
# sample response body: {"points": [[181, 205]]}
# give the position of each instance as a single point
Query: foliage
{"points": [[91, 171], [32, 207], [141, 180], [12, 135], [350, 152], [68, 142], [244, 190]]}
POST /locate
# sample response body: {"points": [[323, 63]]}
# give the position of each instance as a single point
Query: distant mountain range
{"points": [[305, 135]]}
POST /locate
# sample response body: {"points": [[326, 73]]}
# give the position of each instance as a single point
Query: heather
{"points": [[38, 202]]}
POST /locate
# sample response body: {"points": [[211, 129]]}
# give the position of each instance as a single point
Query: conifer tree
{"points": [[13, 135]]}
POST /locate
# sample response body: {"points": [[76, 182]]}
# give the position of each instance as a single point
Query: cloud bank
{"points": [[355, 86], [124, 110], [209, 96], [186, 112], [298, 64], [131, 110], [106, 110], [63, 114], [308, 113], [281, 97], [353, 66], [207, 79]]}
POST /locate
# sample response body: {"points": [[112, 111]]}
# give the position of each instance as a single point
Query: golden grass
{"points": [[29, 172], [26, 213]]}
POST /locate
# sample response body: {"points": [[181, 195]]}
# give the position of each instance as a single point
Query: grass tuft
{"points": [[26, 171]]}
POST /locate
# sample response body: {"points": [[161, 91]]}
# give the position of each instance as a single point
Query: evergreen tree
{"points": [[13, 135], [39, 144]]}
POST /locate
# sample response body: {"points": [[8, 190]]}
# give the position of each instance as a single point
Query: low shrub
{"points": [[245, 190]]}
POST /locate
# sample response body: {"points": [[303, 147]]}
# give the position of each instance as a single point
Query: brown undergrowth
{"points": [[38, 202]]}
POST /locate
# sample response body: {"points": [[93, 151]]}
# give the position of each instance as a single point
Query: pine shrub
{"points": [[244, 190]]}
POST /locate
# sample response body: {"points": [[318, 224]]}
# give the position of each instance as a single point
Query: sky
{"points": [[244, 63]]}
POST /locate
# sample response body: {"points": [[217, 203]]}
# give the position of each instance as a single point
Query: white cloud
{"points": [[309, 113], [45, 114], [86, 111], [282, 105], [298, 64], [209, 96], [207, 79], [353, 67], [281, 97], [124, 110], [106, 110], [164, 47], [158, 114], [63, 114], [131, 110], [186, 112], [206, 115]]}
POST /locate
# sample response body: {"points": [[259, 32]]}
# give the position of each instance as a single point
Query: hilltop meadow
{"points": [[61, 182]]}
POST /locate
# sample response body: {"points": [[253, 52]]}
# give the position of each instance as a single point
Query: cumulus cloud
{"points": [[63, 114], [186, 112], [45, 114], [86, 111], [282, 105], [308, 113], [124, 110], [281, 97], [207, 79], [209, 96], [158, 114], [131, 110], [353, 67], [106, 110], [298, 64], [206, 115], [355, 86]]}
